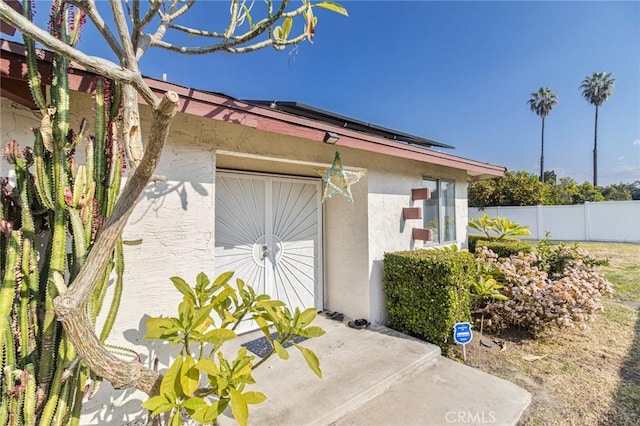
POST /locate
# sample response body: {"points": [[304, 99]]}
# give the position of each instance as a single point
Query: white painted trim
{"points": [[282, 160]]}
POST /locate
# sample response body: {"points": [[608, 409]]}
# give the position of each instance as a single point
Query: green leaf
{"points": [[152, 404], [194, 403], [189, 376], [176, 419], [239, 407], [159, 328], [199, 415], [332, 6], [185, 311], [277, 34], [218, 336], [222, 279], [202, 281], [170, 386], [164, 408], [201, 316], [248, 15], [307, 317], [286, 27], [224, 294], [312, 332], [242, 365], [264, 326], [229, 318], [183, 288], [280, 350], [312, 360], [254, 397], [208, 413], [209, 367]]}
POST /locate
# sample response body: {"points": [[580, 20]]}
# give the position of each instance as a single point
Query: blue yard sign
{"points": [[462, 334]]}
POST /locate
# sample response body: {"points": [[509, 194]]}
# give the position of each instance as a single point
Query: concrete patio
{"points": [[378, 376]]}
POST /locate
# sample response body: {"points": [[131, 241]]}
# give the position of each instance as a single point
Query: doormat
{"points": [[262, 347]]}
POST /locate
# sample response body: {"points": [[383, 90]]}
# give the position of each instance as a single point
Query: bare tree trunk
{"points": [[71, 307], [131, 131], [595, 151], [542, 153]]}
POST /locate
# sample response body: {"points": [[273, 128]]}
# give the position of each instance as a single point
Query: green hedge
{"points": [[428, 292], [505, 248], [472, 240]]}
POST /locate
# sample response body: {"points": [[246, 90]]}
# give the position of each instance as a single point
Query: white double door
{"points": [[268, 230]]}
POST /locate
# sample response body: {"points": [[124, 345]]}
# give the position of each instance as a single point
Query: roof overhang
{"points": [[217, 106], [317, 114]]}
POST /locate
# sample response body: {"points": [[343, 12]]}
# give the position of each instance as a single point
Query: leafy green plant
{"points": [[515, 188], [485, 288], [555, 258], [498, 227], [208, 316]]}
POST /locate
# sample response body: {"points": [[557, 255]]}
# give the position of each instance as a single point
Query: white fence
{"points": [[605, 221]]}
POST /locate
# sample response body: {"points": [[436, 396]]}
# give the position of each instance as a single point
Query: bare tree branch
{"points": [[134, 12], [134, 15], [227, 46], [266, 43], [175, 14], [244, 49], [71, 307], [89, 6], [155, 6], [233, 21], [213, 34], [128, 58], [97, 65], [194, 32], [296, 12]]}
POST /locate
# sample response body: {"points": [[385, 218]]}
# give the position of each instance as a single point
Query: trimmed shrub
{"points": [[504, 247], [472, 240], [538, 299], [428, 292]]}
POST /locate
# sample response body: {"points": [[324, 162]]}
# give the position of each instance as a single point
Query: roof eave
{"points": [[220, 107]]}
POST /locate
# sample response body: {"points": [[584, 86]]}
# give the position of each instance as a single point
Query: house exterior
{"points": [[241, 193]]}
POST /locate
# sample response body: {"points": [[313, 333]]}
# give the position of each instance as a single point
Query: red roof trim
{"points": [[219, 107]]}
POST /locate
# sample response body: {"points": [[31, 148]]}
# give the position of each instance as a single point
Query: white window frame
{"points": [[440, 215]]}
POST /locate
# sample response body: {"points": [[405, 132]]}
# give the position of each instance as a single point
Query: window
{"points": [[439, 212]]}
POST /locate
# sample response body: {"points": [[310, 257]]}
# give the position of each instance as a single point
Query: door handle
{"points": [[265, 251]]}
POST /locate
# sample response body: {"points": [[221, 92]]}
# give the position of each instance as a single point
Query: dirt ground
{"points": [[577, 377]]}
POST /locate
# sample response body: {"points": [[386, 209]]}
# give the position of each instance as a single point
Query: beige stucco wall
{"points": [[175, 220]]}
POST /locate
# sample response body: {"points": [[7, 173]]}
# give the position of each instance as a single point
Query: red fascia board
{"points": [[218, 107]]}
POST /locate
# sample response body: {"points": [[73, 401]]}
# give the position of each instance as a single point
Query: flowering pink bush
{"points": [[537, 298]]}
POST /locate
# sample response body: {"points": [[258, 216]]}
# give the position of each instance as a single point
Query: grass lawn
{"points": [[576, 377]]}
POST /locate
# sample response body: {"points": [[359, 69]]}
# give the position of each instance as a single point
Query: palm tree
{"points": [[596, 89], [541, 102]]}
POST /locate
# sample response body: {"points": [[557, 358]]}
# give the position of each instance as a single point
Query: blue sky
{"points": [[456, 72]]}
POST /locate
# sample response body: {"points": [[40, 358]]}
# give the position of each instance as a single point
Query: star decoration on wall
{"points": [[337, 180]]}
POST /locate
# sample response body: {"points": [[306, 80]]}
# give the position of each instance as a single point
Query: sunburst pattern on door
{"points": [[268, 232]]}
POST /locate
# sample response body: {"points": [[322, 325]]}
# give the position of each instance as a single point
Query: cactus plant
{"points": [[43, 381]]}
